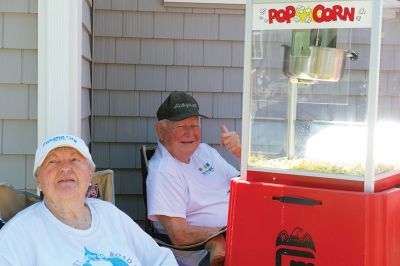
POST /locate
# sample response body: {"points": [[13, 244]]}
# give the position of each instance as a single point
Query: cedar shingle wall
{"points": [[142, 52], [18, 91], [18, 88], [86, 69]]}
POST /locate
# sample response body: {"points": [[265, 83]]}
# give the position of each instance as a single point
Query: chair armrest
{"points": [[164, 241]]}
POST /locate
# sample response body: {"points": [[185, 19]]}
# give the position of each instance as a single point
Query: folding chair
{"points": [[13, 201], [162, 239], [102, 186]]}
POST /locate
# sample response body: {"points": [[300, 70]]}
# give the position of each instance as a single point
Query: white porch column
{"points": [[59, 67]]}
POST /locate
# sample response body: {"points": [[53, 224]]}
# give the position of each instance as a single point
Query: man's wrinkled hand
{"points": [[216, 247], [231, 141]]}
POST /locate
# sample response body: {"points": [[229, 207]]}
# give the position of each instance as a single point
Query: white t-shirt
{"points": [[197, 191], [36, 237]]}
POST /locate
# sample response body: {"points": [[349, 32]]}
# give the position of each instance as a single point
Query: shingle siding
{"points": [[33, 103], [20, 31], [132, 204], [180, 9], [155, 51], [189, 52], [397, 58], [205, 101], [104, 50], [86, 76], [150, 77], [18, 91], [101, 154], [104, 129], [206, 79], [122, 155], [120, 77], [168, 25], [217, 53], [124, 4], [19, 137], [127, 51], [86, 64], [233, 80], [1, 30], [14, 101], [151, 130], [391, 36], [131, 182], [127, 129], [211, 129], [149, 102], [86, 48], [231, 27], [201, 26], [237, 54], [10, 72], [108, 23], [29, 179], [137, 24], [12, 170], [29, 67], [102, 4], [197, 50], [227, 105], [177, 78], [85, 103], [101, 103], [99, 76], [388, 58], [86, 15], [15, 6], [151, 5], [33, 6], [124, 103]]}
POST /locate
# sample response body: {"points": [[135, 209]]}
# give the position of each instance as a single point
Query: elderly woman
{"points": [[69, 229]]}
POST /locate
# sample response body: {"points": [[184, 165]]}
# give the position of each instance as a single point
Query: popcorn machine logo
{"points": [[296, 249], [300, 14]]}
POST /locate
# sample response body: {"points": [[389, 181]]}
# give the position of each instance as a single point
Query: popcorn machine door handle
{"points": [[295, 200]]}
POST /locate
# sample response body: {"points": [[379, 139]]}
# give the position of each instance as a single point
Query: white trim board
{"points": [[229, 4], [59, 67]]}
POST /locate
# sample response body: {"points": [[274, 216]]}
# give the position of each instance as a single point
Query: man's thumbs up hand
{"points": [[231, 141]]}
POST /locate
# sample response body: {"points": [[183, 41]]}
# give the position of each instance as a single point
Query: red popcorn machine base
{"points": [[284, 225]]}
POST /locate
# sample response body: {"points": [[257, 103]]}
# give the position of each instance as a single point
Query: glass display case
{"points": [[320, 172], [315, 104]]}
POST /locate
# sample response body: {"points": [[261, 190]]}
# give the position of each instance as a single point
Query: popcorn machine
{"points": [[320, 167]]}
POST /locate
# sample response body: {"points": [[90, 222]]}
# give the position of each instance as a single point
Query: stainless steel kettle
{"points": [[323, 64]]}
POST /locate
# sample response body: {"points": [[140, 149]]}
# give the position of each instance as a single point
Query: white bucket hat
{"points": [[60, 141]]}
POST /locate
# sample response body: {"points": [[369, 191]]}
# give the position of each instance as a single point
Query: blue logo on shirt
{"points": [[115, 259], [206, 169]]}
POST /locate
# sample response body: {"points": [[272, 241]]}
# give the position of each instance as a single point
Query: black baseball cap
{"points": [[178, 106]]}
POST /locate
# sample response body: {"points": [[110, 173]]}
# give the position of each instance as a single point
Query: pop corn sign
{"points": [[309, 15]]}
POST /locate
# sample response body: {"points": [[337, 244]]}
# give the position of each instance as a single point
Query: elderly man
{"points": [[188, 181], [69, 229]]}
